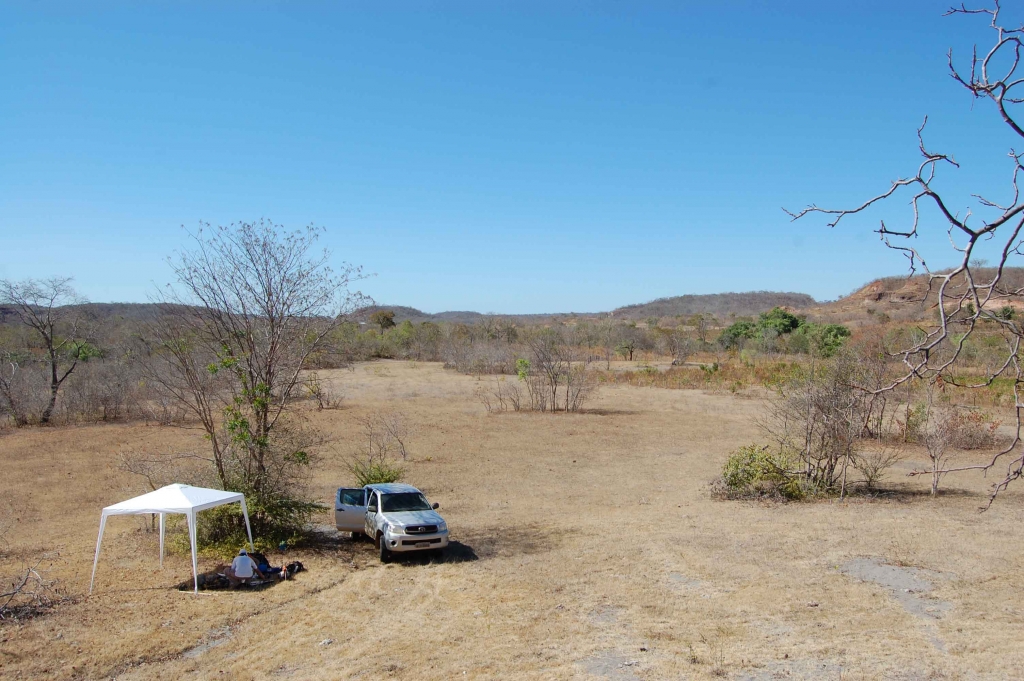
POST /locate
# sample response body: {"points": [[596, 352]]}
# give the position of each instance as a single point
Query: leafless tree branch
{"points": [[965, 294]]}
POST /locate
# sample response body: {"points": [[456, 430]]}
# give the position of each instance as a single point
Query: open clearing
{"points": [[587, 547]]}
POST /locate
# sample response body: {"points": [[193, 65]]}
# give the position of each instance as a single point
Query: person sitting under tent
{"points": [[242, 569]]}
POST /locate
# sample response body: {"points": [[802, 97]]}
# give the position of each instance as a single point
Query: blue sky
{"points": [[499, 157]]}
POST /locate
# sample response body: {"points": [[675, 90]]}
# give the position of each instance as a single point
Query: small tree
{"points": [[385, 319], [681, 347], [10, 378], [48, 307], [819, 418], [939, 435], [701, 323]]}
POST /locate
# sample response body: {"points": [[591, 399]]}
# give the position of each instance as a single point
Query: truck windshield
{"points": [[405, 501]]}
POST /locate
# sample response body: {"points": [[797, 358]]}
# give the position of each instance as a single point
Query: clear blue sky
{"points": [[499, 157]]}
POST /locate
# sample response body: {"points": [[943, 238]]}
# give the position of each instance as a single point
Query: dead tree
{"points": [[967, 295], [939, 436], [48, 307], [702, 322], [819, 418], [28, 594], [10, 373]]}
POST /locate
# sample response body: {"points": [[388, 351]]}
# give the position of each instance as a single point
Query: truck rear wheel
{"points": [[385, 554]]}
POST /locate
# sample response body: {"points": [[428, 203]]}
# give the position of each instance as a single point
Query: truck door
{"points": [[349, 509], [370, 524]]}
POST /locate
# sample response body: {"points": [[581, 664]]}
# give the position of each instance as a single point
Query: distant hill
{"points": [[721, 305], [900, 299], [403, 313], [907, 299], [104, 312]]}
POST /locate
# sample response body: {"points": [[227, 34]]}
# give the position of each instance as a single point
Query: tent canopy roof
{"points": [[176, 498]]}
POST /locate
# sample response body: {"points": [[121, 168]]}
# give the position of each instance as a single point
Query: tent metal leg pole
{"points": [[96, 558], [248, 530], [161, 541], [192, 538]]}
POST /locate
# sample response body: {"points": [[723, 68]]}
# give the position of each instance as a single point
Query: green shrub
{"points": [[221, 531], [824, 340], [735, 334], [375, 472], [779, 320], [754, 471]]}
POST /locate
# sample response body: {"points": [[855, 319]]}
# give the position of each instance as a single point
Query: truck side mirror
{"points": [[435, 506]]}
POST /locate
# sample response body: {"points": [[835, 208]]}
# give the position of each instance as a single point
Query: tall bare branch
{"points": [[965, 295]]}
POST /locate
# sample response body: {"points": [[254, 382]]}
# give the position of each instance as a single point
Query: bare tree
{"points": [[502, 394], [163, 468], [702, 322], [680, 346], [10, 375], [966, 295], [580, 382], [939, 436], [559, 360], [819, 418], [253, 303], [47, 306], [546, 361], [872, 462], [320, 393]]}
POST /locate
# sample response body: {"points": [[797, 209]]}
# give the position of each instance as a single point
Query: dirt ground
{"points": [[585, 546]]}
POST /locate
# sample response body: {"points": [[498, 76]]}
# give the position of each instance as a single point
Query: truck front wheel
{"points": [[385, 554]]}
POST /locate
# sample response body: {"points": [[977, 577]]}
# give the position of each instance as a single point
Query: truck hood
{"points": [[414, 518]]}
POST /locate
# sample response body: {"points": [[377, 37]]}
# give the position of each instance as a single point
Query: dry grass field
{"points": [[587, 547]]}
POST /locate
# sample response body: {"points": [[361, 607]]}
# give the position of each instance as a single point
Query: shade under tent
{"points": [[176, 498]]}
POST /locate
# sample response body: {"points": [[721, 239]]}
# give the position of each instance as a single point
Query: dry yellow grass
{"points": [[599, 555]]}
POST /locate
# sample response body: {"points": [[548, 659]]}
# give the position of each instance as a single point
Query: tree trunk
{"points": [[54, 386]]}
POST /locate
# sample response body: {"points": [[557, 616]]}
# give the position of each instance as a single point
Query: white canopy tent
{"points": [[176, 498]]}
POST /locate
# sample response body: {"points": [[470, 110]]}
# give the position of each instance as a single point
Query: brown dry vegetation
{"points": [[587, 547]]}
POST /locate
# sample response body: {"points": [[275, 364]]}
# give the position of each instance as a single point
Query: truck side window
{"points": [[351, 497], [371, 505]]}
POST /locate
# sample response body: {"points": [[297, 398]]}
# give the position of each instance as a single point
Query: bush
{"points": [[734, 335], [972, 429], [873, 463], [221, 530], [754, 471], [779, 320], [375, 472], [824, 340]]}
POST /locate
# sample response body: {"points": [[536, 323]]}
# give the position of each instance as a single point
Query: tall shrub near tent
{"points": [[252, 305]]}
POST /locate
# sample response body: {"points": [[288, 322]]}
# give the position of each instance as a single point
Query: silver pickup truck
{"points": [[397, 517]]}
